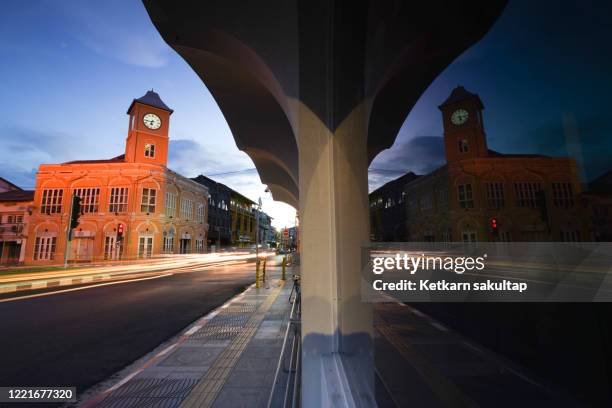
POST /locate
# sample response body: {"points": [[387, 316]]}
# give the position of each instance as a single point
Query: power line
{"points": [[232, 172]]}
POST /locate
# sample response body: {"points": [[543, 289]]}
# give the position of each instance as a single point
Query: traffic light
{"points": [[494, 225], [120, 229], [76, 211]]}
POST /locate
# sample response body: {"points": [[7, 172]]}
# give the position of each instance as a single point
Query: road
{"points": [[81, 337]]}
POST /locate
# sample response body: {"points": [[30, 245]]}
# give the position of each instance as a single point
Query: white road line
{"points": [[81, 288], [525, 378], [166, 350], [473, 347], [193, 330], [125, 379], [418, 313], [438, 326]]}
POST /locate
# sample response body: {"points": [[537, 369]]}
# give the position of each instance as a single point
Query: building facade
{"points": [[598, 198], [388, 210], [266, 231], [159, 210], [219, 219], [15, 208], [242, 212], [484, 195]]}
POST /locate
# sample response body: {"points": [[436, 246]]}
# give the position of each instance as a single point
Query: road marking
{"points": [[166, 350], [473, 347], [418, 313], [438, 326], [126, 379], [82, 288], [192, 330], [525, 378]]}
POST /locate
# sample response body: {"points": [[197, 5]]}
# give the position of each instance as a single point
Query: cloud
{"points": [[25, 148], [191, 158], [117, 29], [421, 155]]}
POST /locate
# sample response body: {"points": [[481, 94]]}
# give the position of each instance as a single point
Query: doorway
{"points": [[145, 246], [112, 249]]}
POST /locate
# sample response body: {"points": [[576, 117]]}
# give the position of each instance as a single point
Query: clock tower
{"points": [[464, 135], [147, 140]]}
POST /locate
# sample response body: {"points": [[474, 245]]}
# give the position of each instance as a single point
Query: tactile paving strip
{"points": [[225, 326], [207, 390]]}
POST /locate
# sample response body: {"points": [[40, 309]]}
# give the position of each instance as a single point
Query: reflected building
{"points": [[388, 210], [484, 195], [598, 198]]}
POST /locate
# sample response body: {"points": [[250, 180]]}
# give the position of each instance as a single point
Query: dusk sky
{"points": [[70, 69]]}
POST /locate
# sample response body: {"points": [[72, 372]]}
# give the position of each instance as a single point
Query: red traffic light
{"points": [[493, 223], [120, 228]]}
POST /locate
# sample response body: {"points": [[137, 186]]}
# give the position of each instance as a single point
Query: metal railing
{"points": [[291, 396]]}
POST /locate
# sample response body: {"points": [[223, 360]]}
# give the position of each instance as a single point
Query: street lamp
{"points": [[257, 229]]}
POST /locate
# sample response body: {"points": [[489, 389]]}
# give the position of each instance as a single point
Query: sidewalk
{"points": [[228, 358]]}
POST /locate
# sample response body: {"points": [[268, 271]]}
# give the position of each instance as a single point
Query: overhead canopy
{"points": [[264, 63]]}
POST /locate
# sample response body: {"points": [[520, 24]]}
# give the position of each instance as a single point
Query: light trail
{"points": [[175, 267], [179, 261], [56, 292]]}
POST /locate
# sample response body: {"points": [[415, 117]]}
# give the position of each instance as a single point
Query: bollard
{"points": [[257, 274], [264, 270], [284, 263]]}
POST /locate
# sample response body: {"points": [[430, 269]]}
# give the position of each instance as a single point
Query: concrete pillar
{"points": [[336, 326]]}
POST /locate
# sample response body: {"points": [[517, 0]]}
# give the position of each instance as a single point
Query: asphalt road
{"points": [[80, 338]]}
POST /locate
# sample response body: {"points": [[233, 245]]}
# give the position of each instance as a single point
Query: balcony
{"points": [[11, 229]]}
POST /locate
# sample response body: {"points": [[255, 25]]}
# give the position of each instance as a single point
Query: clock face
{"points": [[459, 117], [152, 121]]}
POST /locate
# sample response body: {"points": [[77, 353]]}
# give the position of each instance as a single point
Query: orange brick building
{"points": [[161, 211], [530, 197]]}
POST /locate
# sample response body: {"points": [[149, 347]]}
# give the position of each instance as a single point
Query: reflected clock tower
{"points": [[464, 135]]}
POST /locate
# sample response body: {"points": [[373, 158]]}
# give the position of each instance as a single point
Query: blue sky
{"points": [[543, 74], [71, 68]]}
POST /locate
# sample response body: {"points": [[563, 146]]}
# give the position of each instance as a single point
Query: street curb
{"points": [[55, 282]]}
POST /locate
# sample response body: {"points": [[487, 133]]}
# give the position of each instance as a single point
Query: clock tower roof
{"points": [[460, 94], [152, 99]]}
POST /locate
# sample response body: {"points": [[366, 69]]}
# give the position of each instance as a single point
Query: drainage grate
{"points": [[155, 393], [211, 332], [240, 308], [131, 402], [155, 388], [233, 319]]}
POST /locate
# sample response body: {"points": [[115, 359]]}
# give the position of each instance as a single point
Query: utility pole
{"points": [[257, 229], [73, 220]]}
